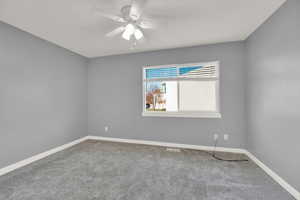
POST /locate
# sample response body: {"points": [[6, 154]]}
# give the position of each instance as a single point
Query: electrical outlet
{"points": [[226, 137], [216, 136], [106, 128]]}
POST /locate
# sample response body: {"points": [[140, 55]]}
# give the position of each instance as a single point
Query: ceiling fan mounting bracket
{"points": [[125, 11]]}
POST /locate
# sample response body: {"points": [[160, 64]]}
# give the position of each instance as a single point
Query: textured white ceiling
{"points": [[76, 24]]}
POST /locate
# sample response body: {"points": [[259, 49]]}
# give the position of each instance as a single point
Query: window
{"points": [[187, 90]]}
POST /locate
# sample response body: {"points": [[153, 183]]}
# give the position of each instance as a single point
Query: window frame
{"points": [[184, 114]]}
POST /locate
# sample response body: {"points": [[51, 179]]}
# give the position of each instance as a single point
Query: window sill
{"points": [[183, 114]]}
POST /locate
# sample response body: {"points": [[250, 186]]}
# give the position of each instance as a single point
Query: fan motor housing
{"points": [[125, 10]]}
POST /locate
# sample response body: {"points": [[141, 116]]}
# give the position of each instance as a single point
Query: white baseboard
{"points": [[167, 144], [275, 176], [271, 173], [37, 157]]}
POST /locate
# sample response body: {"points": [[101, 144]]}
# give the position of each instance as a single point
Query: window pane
{"points": [[171, 96], [167, 72], [197, 96], [208, 71], [161, 96]]}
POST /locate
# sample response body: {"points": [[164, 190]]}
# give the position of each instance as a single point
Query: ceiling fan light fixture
{"points": [[138, 34], [129, 31]]}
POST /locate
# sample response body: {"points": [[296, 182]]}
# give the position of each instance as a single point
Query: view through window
{"points": [[189, 90]]}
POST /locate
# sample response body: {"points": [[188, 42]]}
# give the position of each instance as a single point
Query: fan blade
{"points": [[137, 7], [115, 18], [115, 32], [147, 24]]}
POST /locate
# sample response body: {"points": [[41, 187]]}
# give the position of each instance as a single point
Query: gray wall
{"points": [[273, 92], [115, 97], [43, 90], [43, 100]]}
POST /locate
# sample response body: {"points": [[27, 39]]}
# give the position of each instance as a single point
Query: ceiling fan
{"points": [[133, 21]]}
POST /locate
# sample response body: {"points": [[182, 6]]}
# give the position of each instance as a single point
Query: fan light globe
{"points": [[129, 31], [138, 34]]}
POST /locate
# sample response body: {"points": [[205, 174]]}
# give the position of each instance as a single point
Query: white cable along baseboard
{"points": [[271, 173]]}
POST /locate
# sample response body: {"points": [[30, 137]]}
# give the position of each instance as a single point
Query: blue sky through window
{"points": [[171, 72], [186, 70], [167, 72]]}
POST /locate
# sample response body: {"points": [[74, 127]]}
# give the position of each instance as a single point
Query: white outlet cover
{"points": [[226, 136], [216, 136], [106, 128]]}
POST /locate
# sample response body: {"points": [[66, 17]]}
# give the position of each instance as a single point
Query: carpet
{"points": [[94, 170]]}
